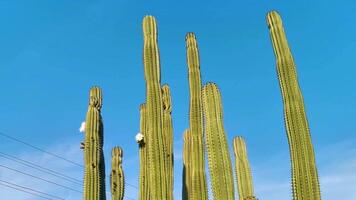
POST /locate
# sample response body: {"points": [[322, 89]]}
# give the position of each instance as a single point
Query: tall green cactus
{"points": [[94, 177], [168, 137], [154, 110], [198, 178], [305, 183], [117, 179], [186, 187], [243, 171], [216, 144], [143, 190]]}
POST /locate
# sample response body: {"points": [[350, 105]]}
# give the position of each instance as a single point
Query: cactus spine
{"points": [[117, 180], [143, 190], [305, 183], [168, 137], [216, 145], [94, 177], [156, 162], [243, 171], [186, 165], [197, 173]]}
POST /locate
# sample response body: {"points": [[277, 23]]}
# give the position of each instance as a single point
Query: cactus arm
{"points": [[198, 178], [305, 183], [216, 144], [117, 180], [94, 177], [143, 190], [168, 137], [186, 165], [155, 142], [243, 170]]}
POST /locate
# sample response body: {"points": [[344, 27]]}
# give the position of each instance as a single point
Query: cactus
{"points": [[216, 144], [186, 165], [168, 137], [117, 179], [156, 158], [243, 171], [198, 178], [143, 190], [305, 183], [94, 177]]}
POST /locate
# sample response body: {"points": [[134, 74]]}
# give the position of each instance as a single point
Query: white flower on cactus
{"points": [[139, 138], [82, 127]]}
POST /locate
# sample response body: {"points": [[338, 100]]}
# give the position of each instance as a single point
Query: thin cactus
{"points": [[154, 113], [94, 177], [216, 144], [143, 190], [198, 178], [117, 179], [305, 183], [168, 137], [186, 165], [243, 170]]}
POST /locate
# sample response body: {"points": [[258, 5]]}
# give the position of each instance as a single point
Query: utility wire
{"points": [[36, 177], [40, 168], [25, 191], [49, 153], [32, 190], [39, 149]]}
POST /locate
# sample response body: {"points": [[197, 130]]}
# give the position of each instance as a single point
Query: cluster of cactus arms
{"points": [[143, 190], [197, 176], [216, 144], [305, 183], [117, 180], [243, 171], [94, 177], [168, 136], [155, 135]]}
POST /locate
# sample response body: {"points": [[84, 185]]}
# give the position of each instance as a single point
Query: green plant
{"points": [[243, 170], [94, 177], [305, 183], [197, 178], [117, 179], [216, 144], [156, 158], [144, 189], [186, 165]]}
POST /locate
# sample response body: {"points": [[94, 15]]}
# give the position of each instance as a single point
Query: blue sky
{"points": [[52, 52]]}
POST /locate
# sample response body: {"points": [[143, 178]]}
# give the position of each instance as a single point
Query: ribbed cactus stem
{"points": [[216, 144], [117, 179], [243, 170], [305, 183], [156, 162], [168, 137], [143, 190], [94, 177], [186, 165], [198, 177]]}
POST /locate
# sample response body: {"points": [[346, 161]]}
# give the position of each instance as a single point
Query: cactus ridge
{"points": [[305, 183], [117, 179], [197, 176], [168, 137], [144, 189], [94, 172], [154, 113], [186, 165], [243, 170], [219, 161]]}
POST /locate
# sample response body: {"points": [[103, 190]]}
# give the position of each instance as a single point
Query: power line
{"points": [[32, 190], [32, 193], [40, 168], [39, 178], [40, 149]]}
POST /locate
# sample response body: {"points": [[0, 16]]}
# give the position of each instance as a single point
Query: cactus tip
{"points": [[190, 40], [273, 19], [149, 25]]}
